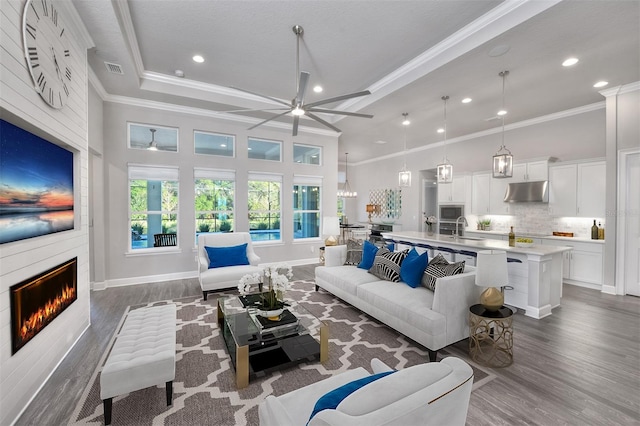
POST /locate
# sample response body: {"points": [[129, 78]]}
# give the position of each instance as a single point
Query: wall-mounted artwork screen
{"points": [[36, 185]]}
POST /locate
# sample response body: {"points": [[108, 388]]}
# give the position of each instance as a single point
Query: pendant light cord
{"points": [[504, 75], [445, 99]]}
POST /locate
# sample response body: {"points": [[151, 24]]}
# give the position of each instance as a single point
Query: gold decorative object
{"points": [[492, 299], [491, 340]]}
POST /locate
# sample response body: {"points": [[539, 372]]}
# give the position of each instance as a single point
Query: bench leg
{"points": [[317, 287], [204, 295], [169, 389], [432, 355], [106, 403]]}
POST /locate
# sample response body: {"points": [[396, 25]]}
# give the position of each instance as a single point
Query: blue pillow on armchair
{"points": [[227, 256]]}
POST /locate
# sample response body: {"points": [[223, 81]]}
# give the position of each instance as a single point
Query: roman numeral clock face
{"points": [[47, 51]]}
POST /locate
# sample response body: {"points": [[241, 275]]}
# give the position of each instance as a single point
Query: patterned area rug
{"points": [[204, 387]]}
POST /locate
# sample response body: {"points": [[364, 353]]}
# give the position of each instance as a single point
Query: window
{"points": [[261, 149], [214, 144], [153, 204], [305, 154], [264, 206], [214, 200], [152, 138], [306, 207]]}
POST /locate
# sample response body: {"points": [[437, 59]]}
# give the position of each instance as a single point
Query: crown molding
{"points": [[97, 84], [71, 13], [493, 23], [621, 90], [123, 15], [164, 106], [525, 123]]}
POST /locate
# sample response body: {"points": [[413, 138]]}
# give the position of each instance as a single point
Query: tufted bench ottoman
{"points": [[143, 355]]}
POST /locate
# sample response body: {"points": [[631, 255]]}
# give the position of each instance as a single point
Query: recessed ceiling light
{"points": [[499, 50], [380, 142], [466, 100], [199, 59], [440, 130], [179, 73], [317, 88], [569, 61], [601, 84], [502, 112]]}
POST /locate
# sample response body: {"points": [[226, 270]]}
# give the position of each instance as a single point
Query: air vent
{"points": [[114, 68]]}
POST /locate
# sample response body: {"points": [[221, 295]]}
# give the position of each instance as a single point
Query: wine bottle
{"points": [[600, 231], [594, 231], [512, 238]]}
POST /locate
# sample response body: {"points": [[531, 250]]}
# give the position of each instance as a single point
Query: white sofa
{"points": [[213, 279], [435, 393], [434, 319]]}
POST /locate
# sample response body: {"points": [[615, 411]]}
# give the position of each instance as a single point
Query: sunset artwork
{"points": [[36, 185]]}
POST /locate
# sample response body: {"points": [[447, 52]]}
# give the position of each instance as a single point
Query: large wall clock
{"points": [[47, 51]]}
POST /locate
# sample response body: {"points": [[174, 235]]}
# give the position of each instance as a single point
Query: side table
{"points": [[491, 336]]}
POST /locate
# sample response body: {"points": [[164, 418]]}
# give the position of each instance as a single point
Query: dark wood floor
{"points": [[580, 366]]}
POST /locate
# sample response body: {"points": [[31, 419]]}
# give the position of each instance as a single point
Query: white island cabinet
{"points": [[535, 273]]}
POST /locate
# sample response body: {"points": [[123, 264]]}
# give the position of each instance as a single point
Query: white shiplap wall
{"points": [[22, 374]]}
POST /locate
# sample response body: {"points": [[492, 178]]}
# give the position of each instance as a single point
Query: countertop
{"points": [[534, 235], [487, 244]]}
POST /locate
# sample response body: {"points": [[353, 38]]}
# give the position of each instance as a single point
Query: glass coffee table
{"points": [[258, 345]]}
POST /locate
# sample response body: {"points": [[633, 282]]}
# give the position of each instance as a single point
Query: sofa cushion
{"points": [[413, 267], [369, 251], [439, 259], [330, 400], [346, 278], [435, 271], [227, 256], [354, 252], [399, 302], [386, 264]]}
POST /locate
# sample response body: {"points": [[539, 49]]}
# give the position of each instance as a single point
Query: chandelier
{"points": [[444, 171], [503, 160], [346, 191], [404, 176]]}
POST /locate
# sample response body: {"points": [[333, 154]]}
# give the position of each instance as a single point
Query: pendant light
{"points": [[153, 145], [444, 171], [503, 160], [404, 176], [346, 191]]}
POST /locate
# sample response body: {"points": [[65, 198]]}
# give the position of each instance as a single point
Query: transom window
{"points": [[263, 149], [214, 144], [306, 154], [152, 138]]}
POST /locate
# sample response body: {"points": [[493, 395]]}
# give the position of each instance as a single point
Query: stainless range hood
{"points": [[527, 192]]}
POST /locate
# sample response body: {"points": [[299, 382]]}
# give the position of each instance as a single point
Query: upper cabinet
{"points": [[498, 188], [456, 192], [533, 171], [480, 193], [577, 190]]}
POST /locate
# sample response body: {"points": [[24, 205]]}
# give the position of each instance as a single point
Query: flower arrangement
{"points": [[275, 278], [430, 220]]}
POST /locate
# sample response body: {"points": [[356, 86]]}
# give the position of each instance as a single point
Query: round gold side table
{"points": [[491, 336]]}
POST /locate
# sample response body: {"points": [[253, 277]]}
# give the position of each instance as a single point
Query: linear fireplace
{"points": [[37, 301]]}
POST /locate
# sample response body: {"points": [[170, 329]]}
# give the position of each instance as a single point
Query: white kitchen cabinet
{"points": [[577, 190], [591, 189], [480, 193], [583, 265], [498, 187], [532, 172], [455, 192]]}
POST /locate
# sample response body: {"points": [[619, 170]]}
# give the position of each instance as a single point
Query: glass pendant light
{"points": [[503, 160], [444, 171], [404, 176], [346, 191]]}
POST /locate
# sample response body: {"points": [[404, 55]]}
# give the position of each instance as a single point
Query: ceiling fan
{"points": [[298, 107]]}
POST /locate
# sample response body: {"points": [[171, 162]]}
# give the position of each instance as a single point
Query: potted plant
{"points": [[275, 279], [430, 221]]}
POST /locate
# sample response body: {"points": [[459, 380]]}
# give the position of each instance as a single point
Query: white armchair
{"points": [[212, 279], [435, 393]]}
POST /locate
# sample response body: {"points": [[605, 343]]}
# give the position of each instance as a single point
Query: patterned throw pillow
{"points": [[437, 269], [354, 252], [386, 264]]}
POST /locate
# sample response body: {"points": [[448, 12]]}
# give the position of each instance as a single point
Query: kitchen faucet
{"points": [[464, 219]]}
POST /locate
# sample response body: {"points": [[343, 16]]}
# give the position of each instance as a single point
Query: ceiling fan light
{"points": [[317, 89], [297, 111]]}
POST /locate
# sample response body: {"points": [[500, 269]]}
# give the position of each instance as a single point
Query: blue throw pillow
{"points": [[330, 400], [413, 267], [227, 256], [369, 251]]}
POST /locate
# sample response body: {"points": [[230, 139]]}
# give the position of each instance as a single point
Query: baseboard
{"points": [[98, 286], [610, 289], [538, 313], [121, 282], [298, 262]]}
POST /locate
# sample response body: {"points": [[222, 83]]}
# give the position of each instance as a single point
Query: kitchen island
{"points": [[535, 273]]}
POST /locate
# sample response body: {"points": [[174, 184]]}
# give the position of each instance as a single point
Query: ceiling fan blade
{"points": [[326, 123], [332, 111], [269, 119], [302, 87], [262, 96], [257, 109], [339, 98], [296, 120]]}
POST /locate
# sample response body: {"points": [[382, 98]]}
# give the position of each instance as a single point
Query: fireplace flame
{"points": [[30, 326]]}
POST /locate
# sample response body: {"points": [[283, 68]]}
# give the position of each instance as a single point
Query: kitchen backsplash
{"points": [[534, 218]]}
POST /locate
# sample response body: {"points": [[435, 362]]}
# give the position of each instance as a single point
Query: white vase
{"points": [[271, 314]]}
